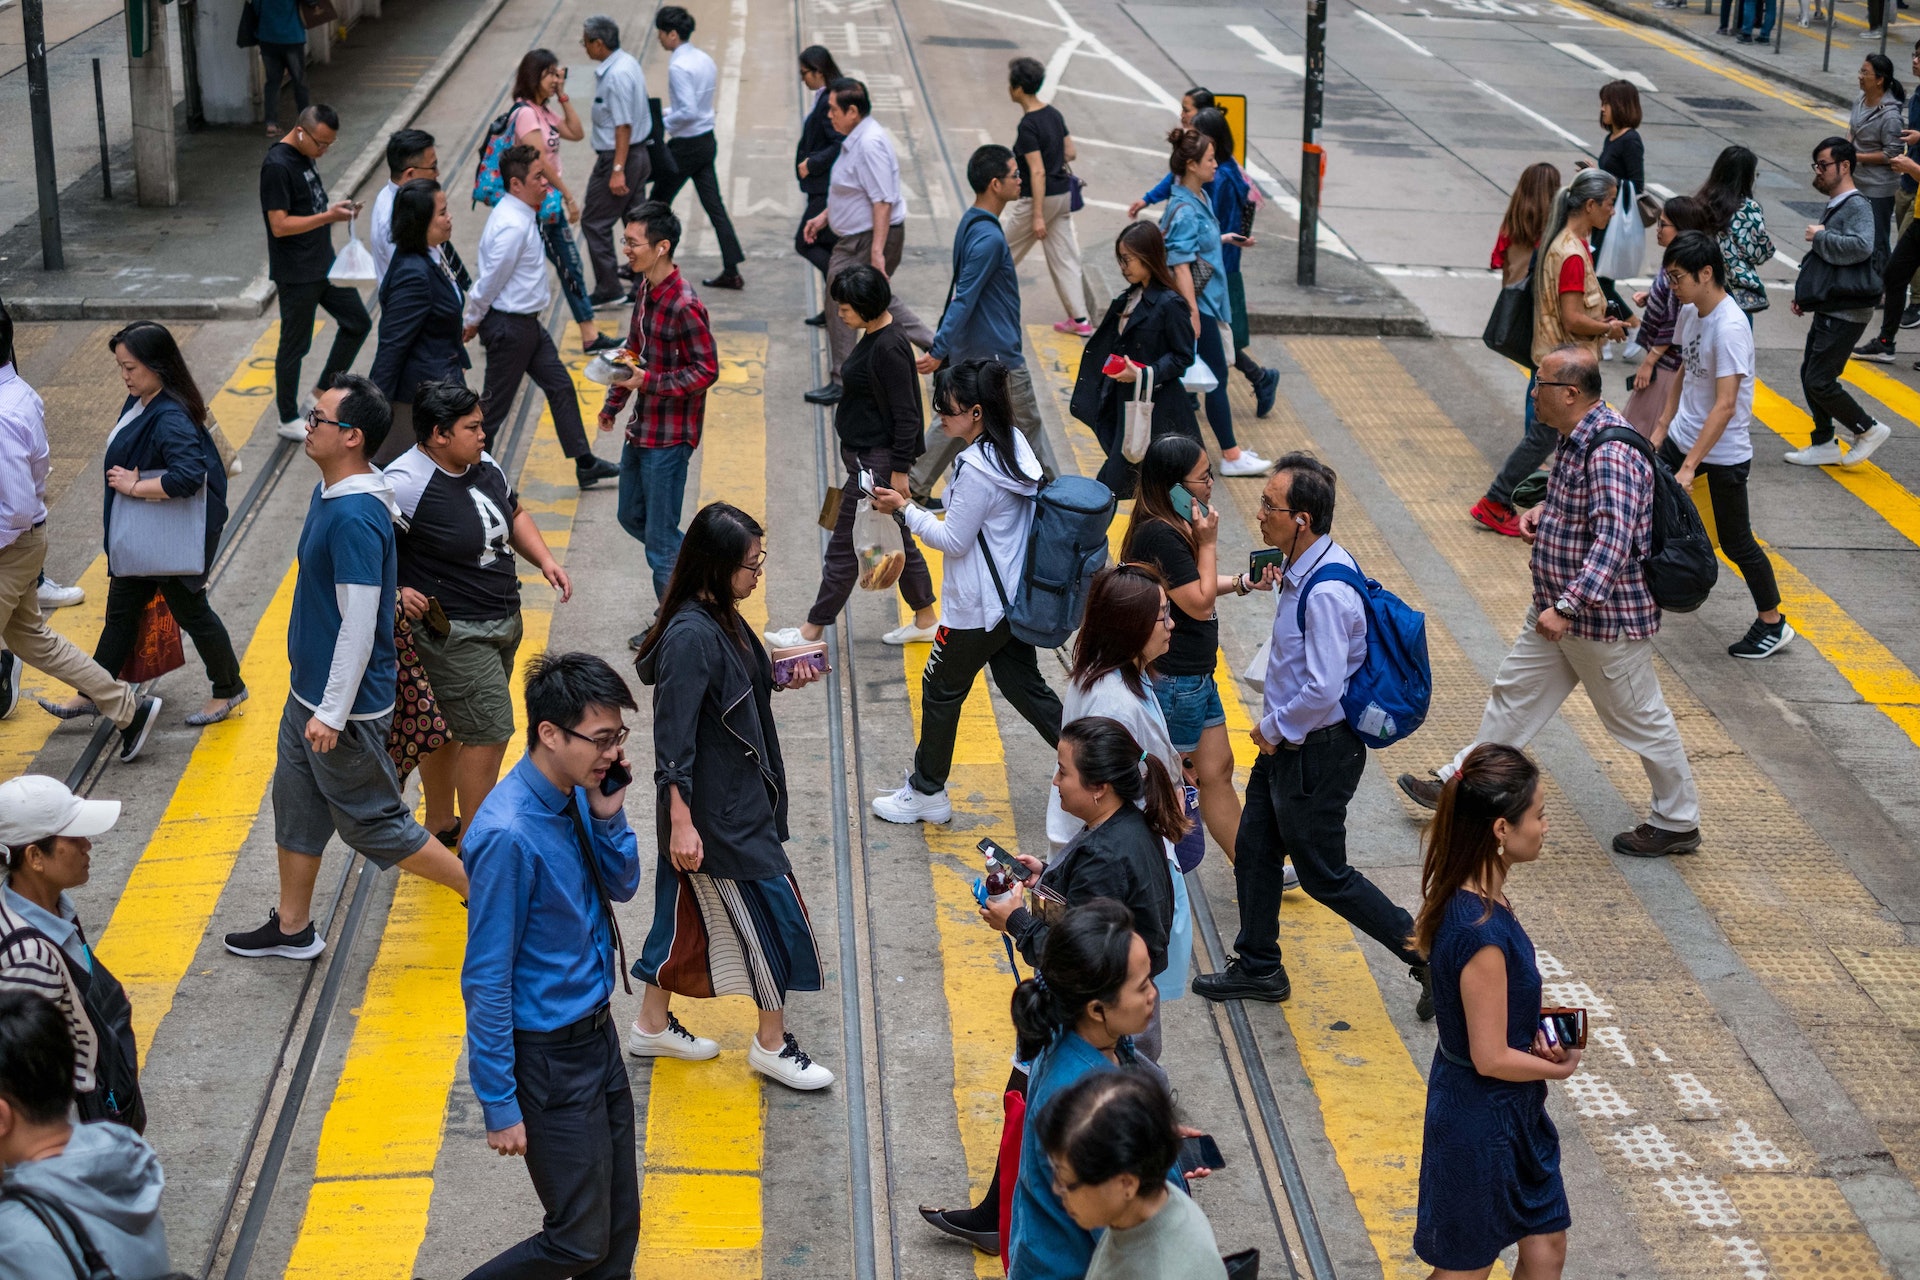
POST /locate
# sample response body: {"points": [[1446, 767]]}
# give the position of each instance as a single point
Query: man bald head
{"points": [[1567, 386]]}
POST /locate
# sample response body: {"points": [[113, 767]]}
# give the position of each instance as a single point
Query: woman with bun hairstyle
{"points": [[1150, 328], [1490, 1163]]}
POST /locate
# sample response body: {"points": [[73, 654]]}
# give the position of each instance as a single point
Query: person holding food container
{"points": [[878, 422]]}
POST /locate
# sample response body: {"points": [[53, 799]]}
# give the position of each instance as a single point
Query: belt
{"points": [[573, 1031], [1327, 734]]}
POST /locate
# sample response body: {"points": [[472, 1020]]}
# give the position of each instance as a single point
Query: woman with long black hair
{"points": [[1740, 225], [1490, 1167], [728, 918], [1150, 328], [813, 158], [983, 539], [163, 428]]}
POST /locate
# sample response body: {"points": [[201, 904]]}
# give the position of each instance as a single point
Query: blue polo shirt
{"points": [[347, 540]]}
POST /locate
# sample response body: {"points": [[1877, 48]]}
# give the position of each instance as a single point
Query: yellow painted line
{"points": [[248, 394], [1888, 390], [733, 445], [1888, 498]]}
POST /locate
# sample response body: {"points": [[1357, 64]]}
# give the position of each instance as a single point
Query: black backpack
{"points": [[115, 1095], [85, 1260], [1681, 566]]}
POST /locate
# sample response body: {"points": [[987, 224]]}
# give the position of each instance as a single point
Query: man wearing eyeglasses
{"points": [[410, 155], [332, 774]]}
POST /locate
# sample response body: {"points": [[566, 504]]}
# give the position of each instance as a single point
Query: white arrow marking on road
{"points": [[1290, 62], [1420, 49], [1529, 113], [1604, 67], [1158, 154]]}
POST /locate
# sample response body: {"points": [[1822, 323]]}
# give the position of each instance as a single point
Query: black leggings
{"points": [[1727, 489], [1901, 265]]}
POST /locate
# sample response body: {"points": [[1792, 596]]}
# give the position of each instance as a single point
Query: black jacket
{"points": [[420, 325], [714, 739], [164, 438], [1120, 859], [819, 146], [1159, 334]]}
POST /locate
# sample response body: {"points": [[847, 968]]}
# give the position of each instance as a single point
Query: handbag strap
{"points": [[1143, 383]]}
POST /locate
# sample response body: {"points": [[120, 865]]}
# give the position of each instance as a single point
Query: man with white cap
{"points": [[45, 831]]}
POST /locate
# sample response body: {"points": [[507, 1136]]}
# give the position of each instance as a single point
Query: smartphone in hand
{"points": [[1200, 1152], [1258, 562], [618, 777]]}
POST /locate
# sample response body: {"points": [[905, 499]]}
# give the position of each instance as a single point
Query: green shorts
{"points": [[471, 671]]}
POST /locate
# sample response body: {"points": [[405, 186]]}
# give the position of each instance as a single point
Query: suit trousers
{"points": [[1537, 675], [695, 156], [857, 250], [519, 346], [602, 208], [298, 302]]}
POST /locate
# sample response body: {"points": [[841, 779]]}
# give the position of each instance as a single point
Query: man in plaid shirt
{"points": [[677, 363], [1593, 619]]}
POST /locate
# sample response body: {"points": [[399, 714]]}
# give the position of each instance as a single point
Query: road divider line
{"points": [[1884, 495]]}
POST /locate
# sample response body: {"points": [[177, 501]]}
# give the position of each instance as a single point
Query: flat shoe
{"points": [[984, 1241], [200, 719]]}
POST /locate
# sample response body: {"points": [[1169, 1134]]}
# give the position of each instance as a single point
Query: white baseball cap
{"points": [[34, 806]]}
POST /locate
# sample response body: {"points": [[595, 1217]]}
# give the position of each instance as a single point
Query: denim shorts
{"points": [[1191, 705]]}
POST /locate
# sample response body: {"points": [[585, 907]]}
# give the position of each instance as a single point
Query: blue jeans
{"points": [[1764, 11], [653, 485], [1213, 354], [557, 240], [1535, 447]]}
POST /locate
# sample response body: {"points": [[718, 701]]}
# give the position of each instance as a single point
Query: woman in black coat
{"points": [[813, 159], [1149, 325], [163, 429], [727, 917], [420, 311]]}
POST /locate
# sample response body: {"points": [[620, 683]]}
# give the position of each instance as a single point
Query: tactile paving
{"points": [[1780, 1202], [1890, 978], [1849, 1256]]}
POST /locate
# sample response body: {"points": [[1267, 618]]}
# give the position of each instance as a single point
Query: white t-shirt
{"points": [[1712, 347]]}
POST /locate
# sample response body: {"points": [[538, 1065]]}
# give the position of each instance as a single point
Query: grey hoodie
{"points": [[109, 1179], [1847, 238]]}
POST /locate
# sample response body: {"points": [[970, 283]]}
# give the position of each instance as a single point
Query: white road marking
{"points": [[1530, 114], [1057, 66], [1107, 97], [1751, 1151], [1292, 63], [1645, 1147], [1159, 153], [1091, 203], [1604, 67], [1366, 17], [1007, 14], [1695, 1100], [1702, 1199]]}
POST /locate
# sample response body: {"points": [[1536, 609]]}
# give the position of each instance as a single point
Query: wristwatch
{"points": [[1564, 608], [619, 168]]}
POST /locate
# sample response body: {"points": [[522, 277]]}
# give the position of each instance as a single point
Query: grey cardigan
{"points": [[1847, 238]]}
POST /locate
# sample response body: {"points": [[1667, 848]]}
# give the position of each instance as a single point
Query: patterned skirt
{"points": [[713, 937]]}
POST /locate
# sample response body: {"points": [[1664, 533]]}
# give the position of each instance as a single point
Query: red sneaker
{"points": [[1497, 516]]}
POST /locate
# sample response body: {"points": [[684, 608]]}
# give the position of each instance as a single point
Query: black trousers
{"points": [[1727, 490], [298, 302], [956, 660], [840, 567], [602, 208], [578, 1109], [127, 598], [1830, 342], [1901, 264], [821, 249], [695, 158], [290, 60], [519, 346], [1297, 808]]}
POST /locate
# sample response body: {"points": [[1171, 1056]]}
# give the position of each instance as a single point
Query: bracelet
{"points": [[619, 168]]}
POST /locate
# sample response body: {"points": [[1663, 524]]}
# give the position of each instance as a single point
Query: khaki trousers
{"points": [[1538, 674], [857, 250], [30, 639], [1061, 245]]}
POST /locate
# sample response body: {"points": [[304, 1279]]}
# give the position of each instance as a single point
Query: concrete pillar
{"points": [[228, 93], [150, 90]]}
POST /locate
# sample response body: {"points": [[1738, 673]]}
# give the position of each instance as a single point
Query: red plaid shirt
{"points": [[671, 332], [1595, 526]]}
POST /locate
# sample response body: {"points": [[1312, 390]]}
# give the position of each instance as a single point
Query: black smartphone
{"points": [[1014, 866], [618, 776], [1200, 1152], [1259, 561]]}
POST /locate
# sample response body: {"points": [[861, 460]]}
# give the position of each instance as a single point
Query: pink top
{"points": [[545, 120]]}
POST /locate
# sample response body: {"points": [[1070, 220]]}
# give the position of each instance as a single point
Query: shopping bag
{"points": [[1190, 848], [1255, 672], [1139, 416], [156, 644], [354, 262], [317, 13], [1625, 246], [1199, 377], [880, 546], [417, 729]]}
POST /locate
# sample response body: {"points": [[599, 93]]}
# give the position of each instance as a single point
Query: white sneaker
{"points": [[235, 467], [54, 596], [1816, 455], [783, 637], [1863, 446], [675, 1042], [1633, 353], [907, 633], [909, 805], [1248, 463], [293, 429], [1290, 879], [791, 1066]]}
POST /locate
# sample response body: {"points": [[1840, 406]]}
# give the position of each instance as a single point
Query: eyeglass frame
{"points": [[620, 737]]}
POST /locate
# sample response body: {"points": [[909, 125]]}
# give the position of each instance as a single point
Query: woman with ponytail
{"points": [[1490, 1166]]}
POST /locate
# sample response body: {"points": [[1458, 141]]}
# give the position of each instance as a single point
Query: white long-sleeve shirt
{"points": [[513, 267], [380, 233], [691, 80], [24, 457], [981, 500]]}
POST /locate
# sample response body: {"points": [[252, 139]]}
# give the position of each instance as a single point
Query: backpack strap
{"points": [[85, 1260], [999, 588], [1628, 436], [1334, 572]]}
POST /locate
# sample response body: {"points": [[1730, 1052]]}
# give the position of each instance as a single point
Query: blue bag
{"points": [[1388, 697], [1065, 548]]}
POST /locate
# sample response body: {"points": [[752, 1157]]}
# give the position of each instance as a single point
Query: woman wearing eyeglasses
{"points": [[728, 919]]}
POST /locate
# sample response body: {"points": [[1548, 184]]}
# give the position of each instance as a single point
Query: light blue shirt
{"points": [[691, 78], [63, 930], [24, 458], [1307, 674], [1192, 232], [619, 97]]}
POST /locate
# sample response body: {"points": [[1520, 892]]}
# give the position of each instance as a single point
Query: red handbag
{"points": [[156, 644]]}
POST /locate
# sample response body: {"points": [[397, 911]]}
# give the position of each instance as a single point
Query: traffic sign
{"points": [[1234, 107]]}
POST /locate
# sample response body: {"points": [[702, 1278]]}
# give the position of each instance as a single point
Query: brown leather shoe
{"points": [[1424, 792], [1649, 841]]}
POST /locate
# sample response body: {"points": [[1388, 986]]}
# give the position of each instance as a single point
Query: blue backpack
{"points": [[487, 187], [1065, 548], [1387, 698]]}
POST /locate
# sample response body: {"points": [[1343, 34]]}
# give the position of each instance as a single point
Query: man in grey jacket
{"points": [[1841, 238], [102, 1179]]}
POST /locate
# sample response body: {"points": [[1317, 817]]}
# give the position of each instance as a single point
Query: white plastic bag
{"points": [[1255, 672], [879, 546], [1199, 377], [354, 262], [1625, 246]]}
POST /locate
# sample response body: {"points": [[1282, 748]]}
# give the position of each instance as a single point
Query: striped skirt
{"points": [[713, 937]]}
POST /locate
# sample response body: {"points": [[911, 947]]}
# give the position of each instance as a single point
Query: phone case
{"points": [[1569, 1020], [789, 659]]}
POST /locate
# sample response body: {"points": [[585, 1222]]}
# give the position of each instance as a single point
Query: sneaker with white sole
{"points": [[1248, 463], [783, 637], [1763, 639], [54, 596], [1289, 879], [293, 429], [1816, 455], [133, 738], [270, 940], [675, 1042], [908, 633], [791, 1066], [910, 805], [1865, 443]]}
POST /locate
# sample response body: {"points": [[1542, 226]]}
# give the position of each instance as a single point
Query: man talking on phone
{"points": [[547, 856]]}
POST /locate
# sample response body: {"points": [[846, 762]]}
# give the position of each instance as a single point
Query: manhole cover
{"points": [[983, 42], [1720, 104]]}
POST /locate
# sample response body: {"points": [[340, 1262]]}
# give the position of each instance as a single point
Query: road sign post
{"points": [[1311, 156], [40, 107]]}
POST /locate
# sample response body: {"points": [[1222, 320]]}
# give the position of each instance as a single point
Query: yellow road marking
{"points": [[1889, 500], [1890, 391]]}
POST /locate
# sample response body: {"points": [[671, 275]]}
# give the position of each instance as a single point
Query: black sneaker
{"points": [[1424, 792], [1763, 640], [9, 683], [589, 470], [134, 737], [931, 503], [828, 394], [1235, 983], [819, 321], [1910, 318], [268, 940], [1875, 351], [1265, 388], [1423, 1007], [605, 342], [1649, 841]]}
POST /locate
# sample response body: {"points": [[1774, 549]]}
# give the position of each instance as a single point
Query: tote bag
{"points": [[156, 644], [1625, 246], [166, 539], [1138, 417]]}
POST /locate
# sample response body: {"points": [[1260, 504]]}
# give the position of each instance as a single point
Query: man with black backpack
{"points": [[76, 1200], [1594, 613]]}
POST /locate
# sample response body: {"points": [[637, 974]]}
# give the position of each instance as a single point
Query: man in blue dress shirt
{"points": [[547, 855]]}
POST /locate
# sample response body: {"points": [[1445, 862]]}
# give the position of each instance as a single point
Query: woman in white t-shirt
{"points": [[1706, 428]]}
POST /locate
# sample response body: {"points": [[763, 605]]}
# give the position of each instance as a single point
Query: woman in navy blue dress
{"points": [[1490, 1159]]}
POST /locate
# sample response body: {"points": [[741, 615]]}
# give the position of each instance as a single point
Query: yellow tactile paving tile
{"points": [[1772, 884]]}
